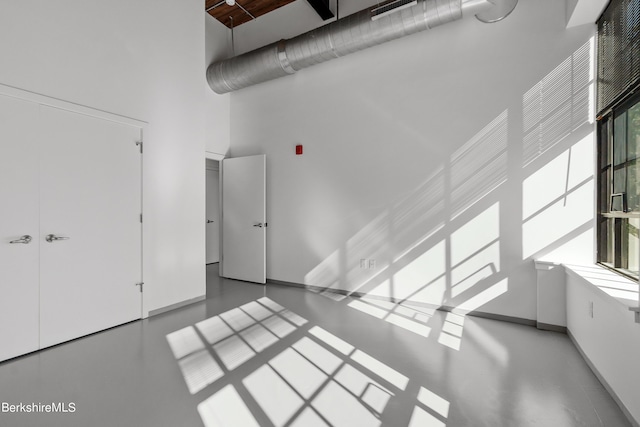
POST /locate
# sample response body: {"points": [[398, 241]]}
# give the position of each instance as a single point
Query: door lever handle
{"points": [[52, 238], [25, 240], [209, 221], [258, 225]]}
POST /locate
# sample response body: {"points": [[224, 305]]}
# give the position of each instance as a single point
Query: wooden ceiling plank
{"points": [[258, 8], [254, 7], [210, 3]]}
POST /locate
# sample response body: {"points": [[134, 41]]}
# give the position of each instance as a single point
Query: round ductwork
{"points": [[369, 27]]}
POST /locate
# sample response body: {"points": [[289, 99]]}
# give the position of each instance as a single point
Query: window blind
{"points": [[618, 53]]}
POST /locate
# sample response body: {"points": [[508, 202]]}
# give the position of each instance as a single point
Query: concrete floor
{"points": [[254, 355]]}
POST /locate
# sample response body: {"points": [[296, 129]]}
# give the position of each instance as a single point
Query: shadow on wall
{"points": [[443, 245]]}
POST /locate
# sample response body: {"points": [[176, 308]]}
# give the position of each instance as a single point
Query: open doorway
{"points": [[236, 240], [212, 211]]}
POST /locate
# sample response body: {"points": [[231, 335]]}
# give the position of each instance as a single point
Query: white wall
{"points": [[217, 107], [552, 296], [584, 11], [452, 157], [142, 59], [610, 339]]}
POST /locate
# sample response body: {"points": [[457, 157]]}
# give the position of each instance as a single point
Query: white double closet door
{"points": [[72, 183]]}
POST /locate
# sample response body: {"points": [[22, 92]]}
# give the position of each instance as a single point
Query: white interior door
{"points": [[90, 198], [213, 214], [18, 217], [244, 218]]}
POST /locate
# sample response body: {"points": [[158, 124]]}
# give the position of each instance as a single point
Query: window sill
{"points": [[617, 287]]}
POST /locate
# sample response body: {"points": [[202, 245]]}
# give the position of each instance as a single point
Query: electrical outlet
{"points": [[591, 309], [363, 263], [372, 263]]}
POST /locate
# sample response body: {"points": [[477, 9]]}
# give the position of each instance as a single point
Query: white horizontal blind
{"points": [[618, 53]]}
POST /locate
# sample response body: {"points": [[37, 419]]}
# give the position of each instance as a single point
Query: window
{"points": [[619, 202], [619, 137]]}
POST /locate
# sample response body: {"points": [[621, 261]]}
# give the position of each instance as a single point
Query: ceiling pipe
{"points": [[369, 27]]}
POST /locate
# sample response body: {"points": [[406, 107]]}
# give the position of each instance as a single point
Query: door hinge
{"points": [[140, 218], [141, 284], [140, 144]]}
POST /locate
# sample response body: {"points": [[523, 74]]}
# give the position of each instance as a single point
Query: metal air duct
{"points": [[369, 27]]}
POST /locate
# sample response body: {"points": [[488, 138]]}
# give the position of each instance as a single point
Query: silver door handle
{"points": [[258, 225], [26, 239], [52, 238]]}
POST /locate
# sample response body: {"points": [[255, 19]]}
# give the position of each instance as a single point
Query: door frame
{"points": [[219, 158]]}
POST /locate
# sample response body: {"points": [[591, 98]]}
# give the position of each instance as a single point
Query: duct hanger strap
{"points": [[501, 9], [282, 57], [350, 34], [439, 12], [248, 69]]}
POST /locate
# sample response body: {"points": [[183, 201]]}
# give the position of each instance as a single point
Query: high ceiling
{"points": [[236, 12], [579, 12], [242, 11]]}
